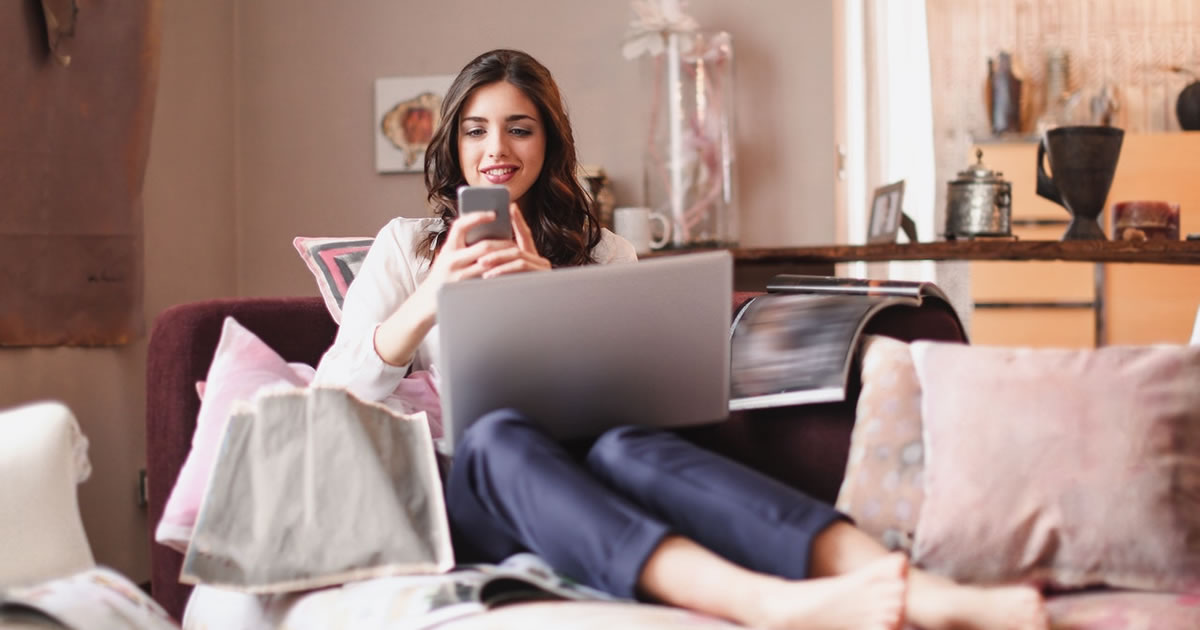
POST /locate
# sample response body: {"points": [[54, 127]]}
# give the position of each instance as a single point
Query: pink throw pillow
{"points": [[1068, 467], [241, 366], [333, 262], [883, 486]]}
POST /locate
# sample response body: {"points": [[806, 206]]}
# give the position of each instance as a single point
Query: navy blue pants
{"points": [[512, 488]]}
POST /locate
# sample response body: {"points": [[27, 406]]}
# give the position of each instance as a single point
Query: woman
{"points": [[645, 514]]}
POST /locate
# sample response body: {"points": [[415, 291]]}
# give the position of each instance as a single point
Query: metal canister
{"points": [[978, 203]]}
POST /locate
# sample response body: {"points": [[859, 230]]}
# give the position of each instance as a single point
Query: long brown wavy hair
{"points": [[556, 207]]}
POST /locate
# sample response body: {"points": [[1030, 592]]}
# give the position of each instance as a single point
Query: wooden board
{"points": [[1169, 253], [1035, 327], [1040, 281], [1156, 303], [73, 148]]}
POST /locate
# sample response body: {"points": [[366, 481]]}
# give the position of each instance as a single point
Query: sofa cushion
{"points": [[1101, 609], [414, 602], [883, 489], [241, 365], [1071, 467], [333, 261]]}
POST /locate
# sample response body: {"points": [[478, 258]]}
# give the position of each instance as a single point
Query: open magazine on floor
{"points": [[796, 344], [93, 599], [474, 589]]}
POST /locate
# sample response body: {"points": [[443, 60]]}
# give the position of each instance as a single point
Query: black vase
{"points": [[1083, 160], [1187, 108]]}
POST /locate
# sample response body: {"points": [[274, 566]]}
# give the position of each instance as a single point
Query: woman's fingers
{"points": [[490, 257], [473, 270], [516, 266], [512, 261], [521, 229], [457, 238], [472, 253]]}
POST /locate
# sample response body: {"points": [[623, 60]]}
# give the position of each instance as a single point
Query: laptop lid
{"points": [[581, 350]]}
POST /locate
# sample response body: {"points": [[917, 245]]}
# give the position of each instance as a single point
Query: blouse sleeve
{"points": [[381, 285], [613, 248]]}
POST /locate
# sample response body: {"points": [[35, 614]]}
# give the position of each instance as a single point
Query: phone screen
{"points": [[481, 199]]}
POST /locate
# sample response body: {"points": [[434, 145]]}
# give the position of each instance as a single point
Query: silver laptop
{"points": [[581, 350]]}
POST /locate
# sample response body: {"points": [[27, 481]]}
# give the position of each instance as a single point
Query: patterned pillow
{"points": [[334, 263], [882, 489]]}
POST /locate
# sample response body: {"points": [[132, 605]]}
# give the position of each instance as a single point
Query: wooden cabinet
{"points": [[1061, 303]]}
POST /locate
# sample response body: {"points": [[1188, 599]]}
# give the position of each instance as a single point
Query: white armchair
{"points": [[43, 456]]}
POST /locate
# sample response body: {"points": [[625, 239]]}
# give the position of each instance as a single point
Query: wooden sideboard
{"points": [[1149, 296]]}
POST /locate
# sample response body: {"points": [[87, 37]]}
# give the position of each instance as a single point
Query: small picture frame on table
{"points": [[886, 213]]}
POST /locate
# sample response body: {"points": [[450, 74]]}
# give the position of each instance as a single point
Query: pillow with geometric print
{"points": [[333, 262], [883, 487]]}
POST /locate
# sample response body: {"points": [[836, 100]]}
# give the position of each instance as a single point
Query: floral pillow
{"points": [[882, 488], [333, 262]]}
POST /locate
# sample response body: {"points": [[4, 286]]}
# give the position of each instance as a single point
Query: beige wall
{"points": [[304, 111], [263, 131]]}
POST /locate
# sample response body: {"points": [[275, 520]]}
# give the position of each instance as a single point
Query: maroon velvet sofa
{"points": [[804, 446]]}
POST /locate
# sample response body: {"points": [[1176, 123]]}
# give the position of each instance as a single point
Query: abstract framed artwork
{"points": [[407, 111]]}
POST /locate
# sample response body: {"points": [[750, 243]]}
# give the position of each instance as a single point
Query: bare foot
{"points": [[870, 598], [959, 607]]}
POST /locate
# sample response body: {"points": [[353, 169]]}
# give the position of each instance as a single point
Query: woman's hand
{"points": [[399, 335], [520, 256], [458, 261], [487, 258]]}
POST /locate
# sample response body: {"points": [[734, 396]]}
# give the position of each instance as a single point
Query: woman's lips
{"points": [[500, 175]]}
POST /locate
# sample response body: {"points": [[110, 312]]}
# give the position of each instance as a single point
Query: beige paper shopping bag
{"points": [[314, 487]]}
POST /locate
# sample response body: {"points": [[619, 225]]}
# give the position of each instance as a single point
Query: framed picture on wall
{"points": [[407, 111], [886, 213]]}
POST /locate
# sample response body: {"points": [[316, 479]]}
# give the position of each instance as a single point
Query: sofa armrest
{"points": [[180, 349], [807, 446], [41, 462]]}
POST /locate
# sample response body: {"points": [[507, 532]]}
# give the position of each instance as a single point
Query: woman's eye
{"points": [[474, 133], [517, 131]]}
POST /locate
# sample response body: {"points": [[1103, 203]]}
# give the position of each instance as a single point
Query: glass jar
{"points": [[688, 172]]}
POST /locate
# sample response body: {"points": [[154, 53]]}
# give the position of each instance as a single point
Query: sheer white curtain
{"points": [[889, 130]]}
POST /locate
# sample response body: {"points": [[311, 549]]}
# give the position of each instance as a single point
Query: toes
{"points": [[891, 567]]}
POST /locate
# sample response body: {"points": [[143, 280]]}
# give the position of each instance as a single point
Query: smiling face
{"points": [[501, 140]]}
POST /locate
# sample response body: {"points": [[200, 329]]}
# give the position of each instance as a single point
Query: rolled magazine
{"points": [[796, 344]]}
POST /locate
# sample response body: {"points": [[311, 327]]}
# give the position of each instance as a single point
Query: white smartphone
{"points": [[481, 199]]}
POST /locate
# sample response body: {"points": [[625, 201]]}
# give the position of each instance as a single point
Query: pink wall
{"points": [[304, 80]]}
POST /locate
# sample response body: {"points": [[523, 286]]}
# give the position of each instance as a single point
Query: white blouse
{"points": [[390, 272]]}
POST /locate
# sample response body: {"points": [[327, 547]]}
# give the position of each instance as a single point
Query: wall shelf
{"points": [[1157, 252]]}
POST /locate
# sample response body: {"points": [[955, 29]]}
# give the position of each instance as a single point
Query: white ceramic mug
{"points": [[633, 224]]}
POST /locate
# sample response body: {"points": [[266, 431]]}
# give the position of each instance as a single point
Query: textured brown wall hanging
{"points": [[75, 114]]}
